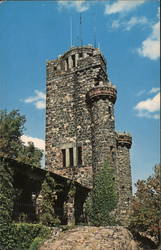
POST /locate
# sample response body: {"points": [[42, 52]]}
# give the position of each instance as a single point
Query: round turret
{"points": [[124, 139], [102, 91]]}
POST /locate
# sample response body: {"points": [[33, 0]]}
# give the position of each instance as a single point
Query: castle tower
{"points": [[123, 169], [101, 100], [68, 121], [80, 124]]}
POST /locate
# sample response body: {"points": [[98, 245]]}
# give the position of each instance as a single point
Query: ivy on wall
{"points": [[103, 198], [47, 202]]}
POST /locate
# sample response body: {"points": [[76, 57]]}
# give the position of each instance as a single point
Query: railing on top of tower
{"points": [[102, 90]]}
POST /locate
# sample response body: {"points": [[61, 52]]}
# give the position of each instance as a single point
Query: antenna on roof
{"points": [[81, 41], [71, 32], [94, 28]]}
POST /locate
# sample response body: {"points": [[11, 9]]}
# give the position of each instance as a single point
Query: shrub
{"points": [[36, 243], [6, 205], [21, 235], [103, 199]]}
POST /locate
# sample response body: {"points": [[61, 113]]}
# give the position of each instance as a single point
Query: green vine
{"points": [[47, 206]]}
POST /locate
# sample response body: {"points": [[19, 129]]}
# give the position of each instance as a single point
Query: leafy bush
{"points": [[103, 199], [21, 235], [25, 233], [6, 205], [36, 243]]}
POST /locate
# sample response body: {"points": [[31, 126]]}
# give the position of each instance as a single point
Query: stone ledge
{"points": [[103, 92]]}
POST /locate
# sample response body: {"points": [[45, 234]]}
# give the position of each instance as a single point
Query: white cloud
{"points": [[151, 46], [116, 24], [149, 107], [79, 6], [151, 104], [39, 100], [141, 92], [154, 90], [134, 21], [122, 6], [38, 143], [148, 115], [129, 24]]}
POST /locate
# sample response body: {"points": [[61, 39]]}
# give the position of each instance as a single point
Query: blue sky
{"points": [[127, 33]]}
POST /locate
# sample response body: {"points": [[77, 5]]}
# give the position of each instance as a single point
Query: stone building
{"points": [[80, 123]]}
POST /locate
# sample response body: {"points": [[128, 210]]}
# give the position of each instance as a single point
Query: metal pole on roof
{"points": [[71, 32], [81, 41]]}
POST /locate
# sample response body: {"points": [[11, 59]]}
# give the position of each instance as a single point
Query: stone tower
{"points": [[80, 124]]}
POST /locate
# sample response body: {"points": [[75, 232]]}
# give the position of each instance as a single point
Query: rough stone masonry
{"points": [[80, 123]]}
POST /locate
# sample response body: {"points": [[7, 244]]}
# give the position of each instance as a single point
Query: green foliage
{"points": [[25, 233], [49, 196], [22, 235], [6, 205], [103, 199], [11, 146], [36, 243], [146, 206], [11, 128], [30, 155]]}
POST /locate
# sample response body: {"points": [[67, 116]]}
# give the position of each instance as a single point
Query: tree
{"points": [[103, 199], [11, 146], [147, 206], [30, 155], [11, 128]]}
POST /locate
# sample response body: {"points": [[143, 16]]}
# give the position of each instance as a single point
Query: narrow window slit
{"points": [[79, 156], [71, 157], [64, 158]]}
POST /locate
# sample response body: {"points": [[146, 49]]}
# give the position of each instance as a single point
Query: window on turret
{"points": [[110, 111], [113, 153], [96, 83]]}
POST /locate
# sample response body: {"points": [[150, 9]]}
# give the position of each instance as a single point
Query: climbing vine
{"points": [[103, 198]]}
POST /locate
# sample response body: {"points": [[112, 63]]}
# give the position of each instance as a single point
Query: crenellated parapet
{"points": [[76, 59], [124, 139], [107, 91]]}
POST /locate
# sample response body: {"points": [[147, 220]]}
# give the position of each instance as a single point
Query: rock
{"points": [[92, 238]]}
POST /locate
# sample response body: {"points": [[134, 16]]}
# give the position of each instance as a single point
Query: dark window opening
{"points": [[110, 111], [79, 156], [67, 65], [71, 157], [113, 156], [123, 187], [80, 55], [55, 68], [64, 158], [73, 59], [96, 84]]}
